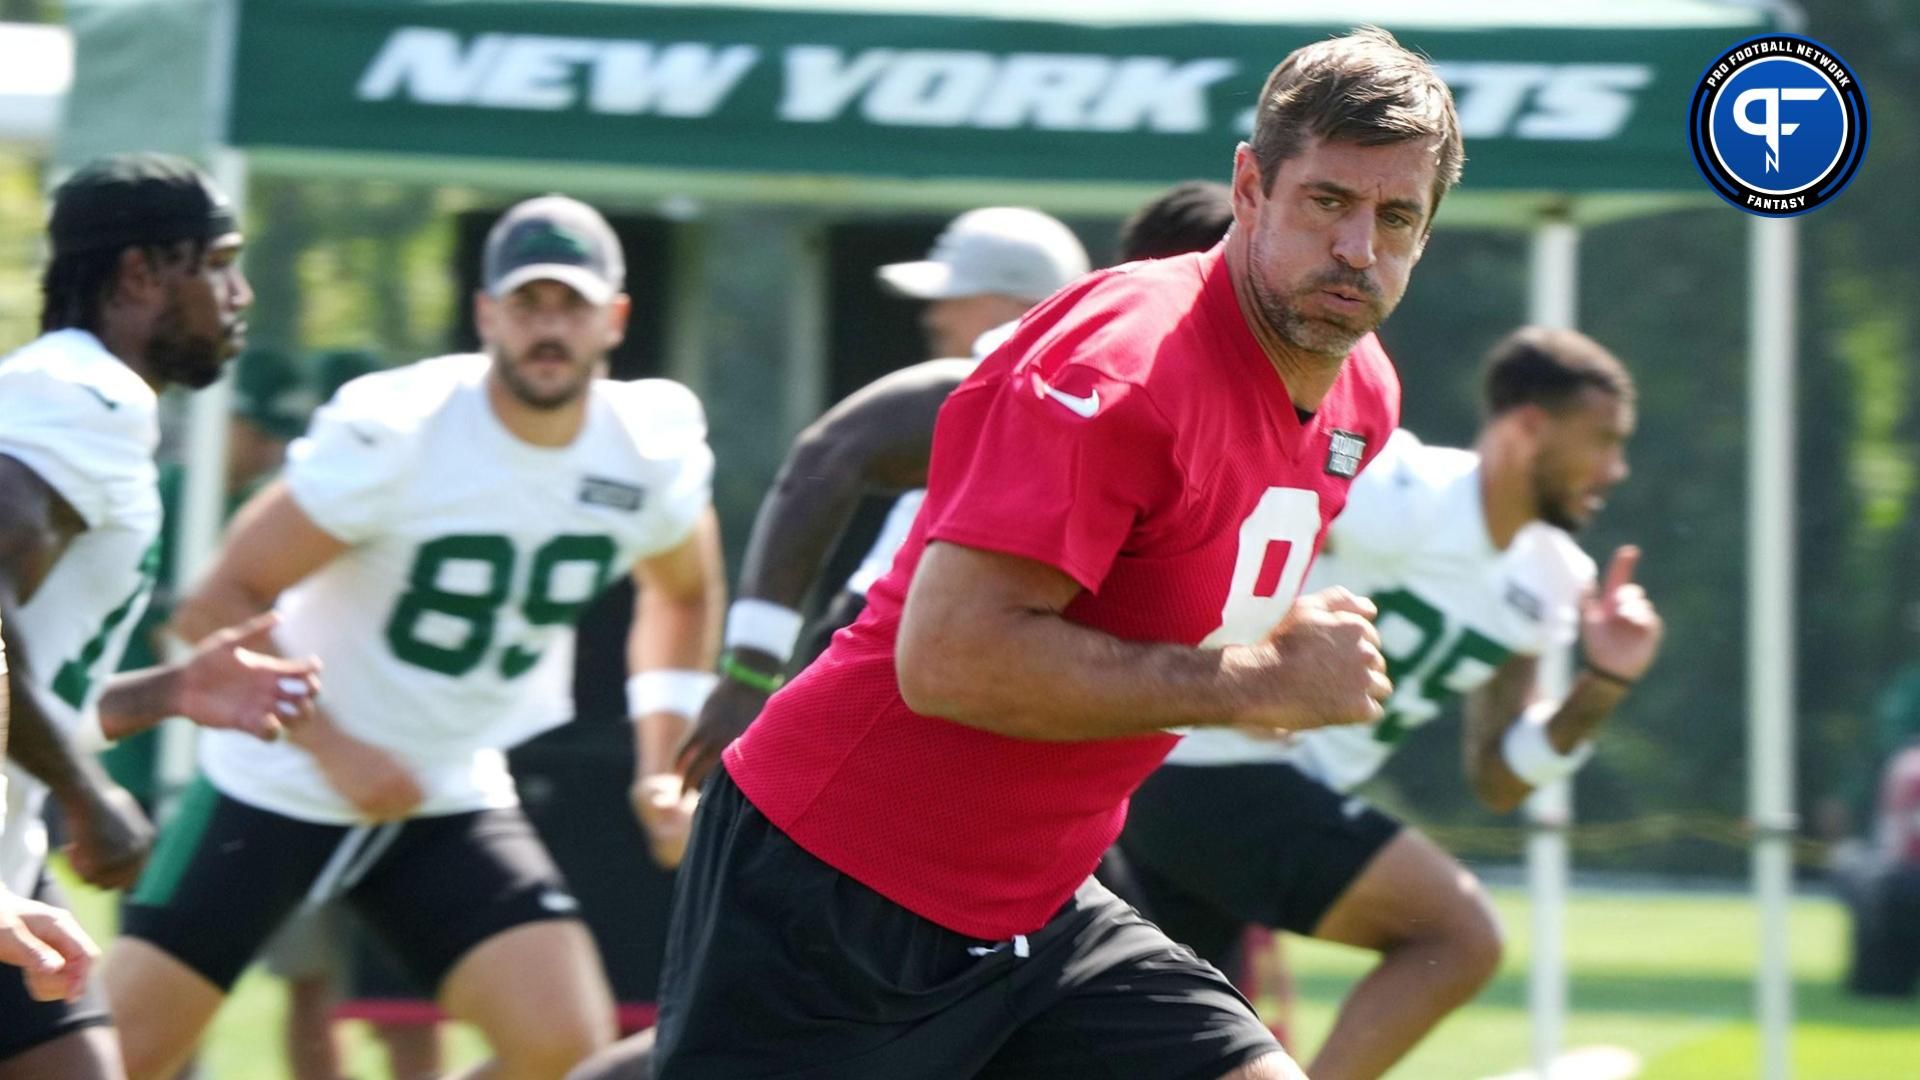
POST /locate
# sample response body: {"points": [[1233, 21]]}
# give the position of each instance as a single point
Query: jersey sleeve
{"points": [[85, 443], [345, 470], [1058, 468], [670, 429], [1575, 574]]}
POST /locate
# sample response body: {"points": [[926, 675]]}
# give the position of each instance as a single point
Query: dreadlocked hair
{"points": [[75, 286]]}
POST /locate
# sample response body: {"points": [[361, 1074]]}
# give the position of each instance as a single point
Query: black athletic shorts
{"points": [[1212, 848], [26, 1023], [779, 965], [225, 875], [1885, 902]]}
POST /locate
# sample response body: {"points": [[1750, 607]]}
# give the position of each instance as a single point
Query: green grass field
{"points": [[1664, 975], [1667, 976]]}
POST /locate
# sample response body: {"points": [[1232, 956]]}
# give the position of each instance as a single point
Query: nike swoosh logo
{"points": [[1083, 407], [104, 399], [363, 436]]}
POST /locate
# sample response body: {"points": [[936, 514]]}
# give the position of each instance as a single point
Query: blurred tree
{"points": [[351, 263], [1861, 564], [21, 220], [32, 11]]}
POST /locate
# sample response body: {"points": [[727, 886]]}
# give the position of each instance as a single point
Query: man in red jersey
{"points": [[890, 875]]}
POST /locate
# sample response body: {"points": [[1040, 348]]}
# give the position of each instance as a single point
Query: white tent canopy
{"points": [[36, 67]]}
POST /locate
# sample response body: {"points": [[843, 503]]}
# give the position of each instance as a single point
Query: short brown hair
{"points": [[1536, 365], [1364, 87]]}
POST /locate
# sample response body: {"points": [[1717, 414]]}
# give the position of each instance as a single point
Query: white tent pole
{"points": [[806, 362], [203, 496], [1553, 302], [686, 344], [1772, 295]]}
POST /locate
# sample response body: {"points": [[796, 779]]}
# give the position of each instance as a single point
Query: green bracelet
{"points": [[732, 668]]}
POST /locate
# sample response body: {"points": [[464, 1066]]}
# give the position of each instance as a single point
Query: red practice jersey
{"points": [[1133, 435]]}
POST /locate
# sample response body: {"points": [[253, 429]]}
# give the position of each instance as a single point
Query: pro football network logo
{"points": [[1778, 124]]}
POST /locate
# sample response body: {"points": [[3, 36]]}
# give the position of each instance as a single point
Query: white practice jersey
{"points": [[893, 534], [87, 425], [446, 629], [1453, 608]]}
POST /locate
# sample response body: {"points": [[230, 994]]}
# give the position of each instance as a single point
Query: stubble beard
{"points": [[179, 358], [532, 396], [1329, 337], [1552, 506]]}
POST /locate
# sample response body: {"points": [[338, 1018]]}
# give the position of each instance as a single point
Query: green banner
{"points": [[910, 96]]}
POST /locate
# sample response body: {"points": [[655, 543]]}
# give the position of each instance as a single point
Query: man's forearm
{"points": [[1574, 723], [983, 641], [38, 745], [1048, 679], [133, 701], [799, 521], [1587, 705], [214, 606], [877, 441], [654, 737]]}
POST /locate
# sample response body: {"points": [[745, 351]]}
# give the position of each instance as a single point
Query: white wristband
{"points": [[1530, 754], [764, 626], [670, 690]]}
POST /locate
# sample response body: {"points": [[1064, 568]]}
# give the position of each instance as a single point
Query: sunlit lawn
{"points": [[1667, 976]]}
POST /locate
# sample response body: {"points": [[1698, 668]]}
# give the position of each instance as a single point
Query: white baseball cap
{"points": [[1005, 250]]}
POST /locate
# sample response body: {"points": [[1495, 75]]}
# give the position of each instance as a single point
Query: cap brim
{"points": [[923, 280], [595, 288]]}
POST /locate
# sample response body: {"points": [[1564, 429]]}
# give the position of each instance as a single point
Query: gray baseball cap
{"points": [[554, 238], [1005, 250]]}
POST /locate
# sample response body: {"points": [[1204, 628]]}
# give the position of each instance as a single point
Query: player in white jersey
{"points": [[432, 539], [1468, 558], [142, 291]]}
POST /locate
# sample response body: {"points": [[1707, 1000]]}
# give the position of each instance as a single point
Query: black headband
{"points": [[215, 222], [136, 199]]}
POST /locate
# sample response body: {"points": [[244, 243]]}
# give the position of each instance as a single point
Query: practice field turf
{"points": [[1665, 975]]}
